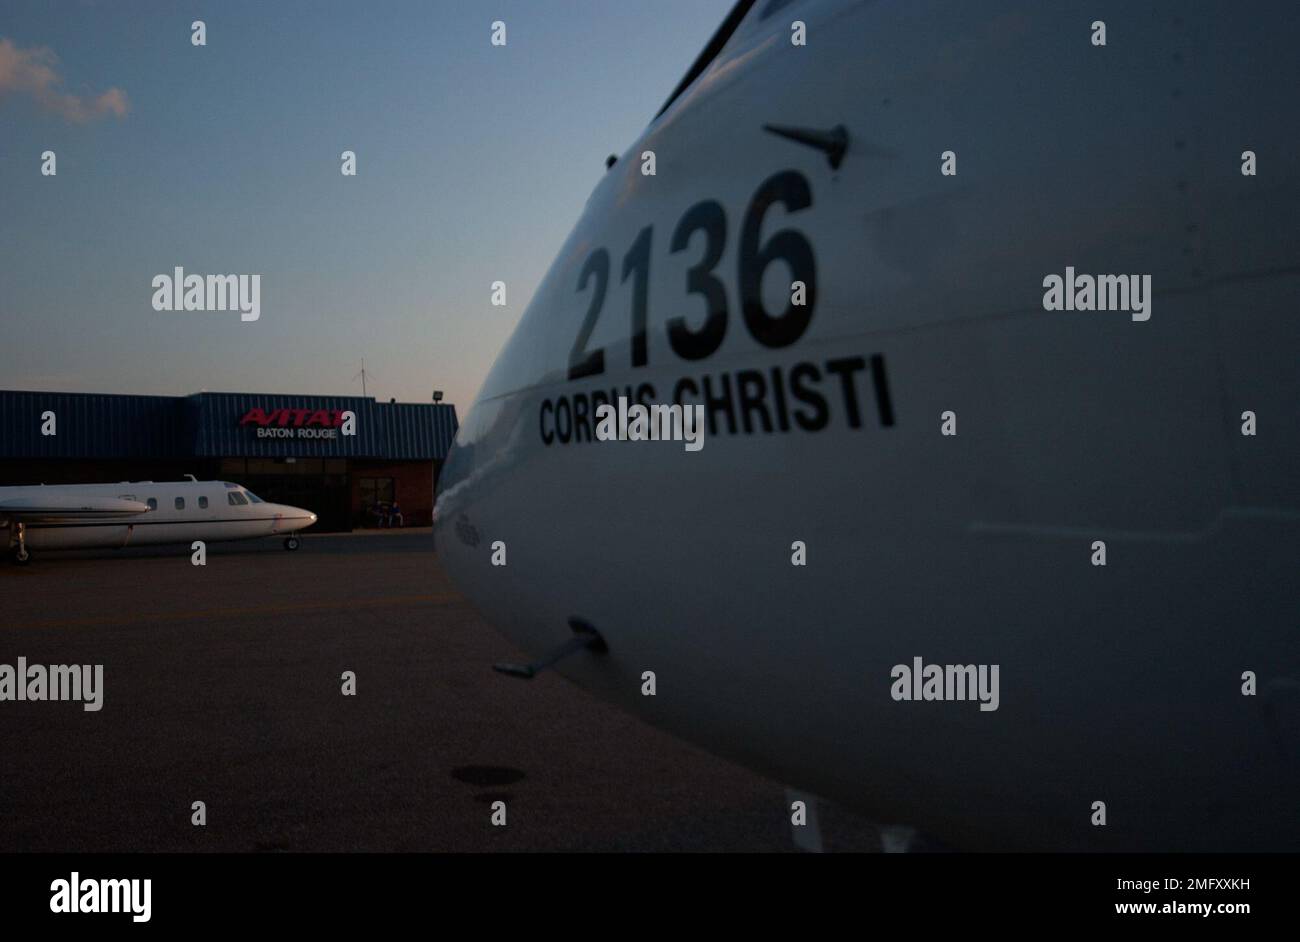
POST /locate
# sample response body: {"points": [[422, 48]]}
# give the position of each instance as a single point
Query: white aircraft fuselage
{"points": [[950, 447], [138, 513]]}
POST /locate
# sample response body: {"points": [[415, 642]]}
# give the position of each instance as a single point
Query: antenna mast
{"points": [[362, 375]]}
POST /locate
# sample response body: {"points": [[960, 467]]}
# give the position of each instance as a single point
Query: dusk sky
{"points": [[473, 163]]}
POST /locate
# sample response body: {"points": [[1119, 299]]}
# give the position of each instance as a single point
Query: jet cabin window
{"points": [[180, 503], [236, 499], [746, 23], [203, 503], [153, 503]]}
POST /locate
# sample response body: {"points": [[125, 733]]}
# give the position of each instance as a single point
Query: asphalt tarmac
{"points": [[222, 684]]}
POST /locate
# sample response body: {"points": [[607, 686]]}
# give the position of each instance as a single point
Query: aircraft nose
{"points": [[296, 518]]}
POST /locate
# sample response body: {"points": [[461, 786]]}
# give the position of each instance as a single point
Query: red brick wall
{"points": [[412, 485]]}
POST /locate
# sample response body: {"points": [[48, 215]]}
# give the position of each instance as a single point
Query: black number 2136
{"points": [[787, 188]]}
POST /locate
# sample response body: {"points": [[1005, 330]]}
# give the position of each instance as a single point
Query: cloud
{"points": [[33, 72]]}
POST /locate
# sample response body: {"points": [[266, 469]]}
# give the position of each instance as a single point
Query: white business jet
{"points": [[914, 456], [139, 513]]}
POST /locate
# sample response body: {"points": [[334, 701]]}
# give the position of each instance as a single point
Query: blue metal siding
{"points": [[208, 425], [415, 430], [93, 426]]}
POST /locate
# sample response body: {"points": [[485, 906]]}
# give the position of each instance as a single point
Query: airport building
{"points": [[298, 450]]}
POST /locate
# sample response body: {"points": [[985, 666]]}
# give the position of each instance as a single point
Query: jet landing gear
{"points": [[18, 548], [291, 543]]}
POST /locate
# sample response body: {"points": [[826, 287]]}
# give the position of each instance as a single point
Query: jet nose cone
{"points": [[300, 519]]}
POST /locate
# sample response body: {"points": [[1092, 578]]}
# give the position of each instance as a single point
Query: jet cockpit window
{"points": [[711, 50], [253, 497], [749, 23], [236, 499]]}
